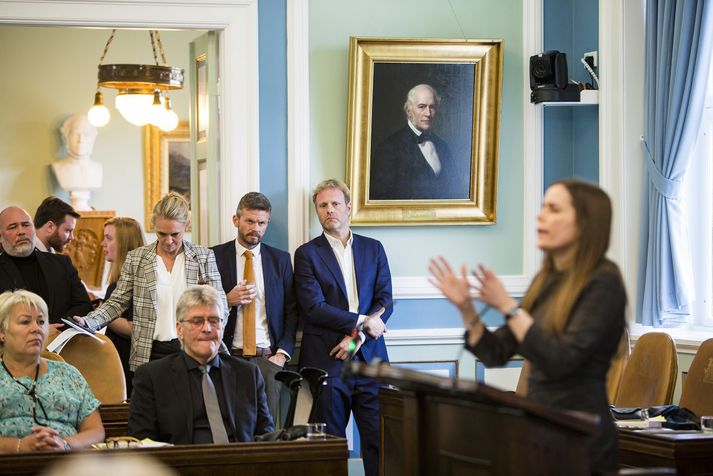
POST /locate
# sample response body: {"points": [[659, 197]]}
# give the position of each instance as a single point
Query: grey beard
{"points": [[21, 251]]}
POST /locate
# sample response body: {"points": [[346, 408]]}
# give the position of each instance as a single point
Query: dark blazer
{"points": [[322, 295], [400, 171], [280, 302], [161, 401], [66, 293], [569, 371]]}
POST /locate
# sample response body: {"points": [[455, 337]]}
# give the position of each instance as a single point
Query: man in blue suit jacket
{"points": [[343, 284], [272, 293]]}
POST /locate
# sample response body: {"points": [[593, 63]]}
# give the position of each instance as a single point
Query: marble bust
{"points": [[78, 174]]}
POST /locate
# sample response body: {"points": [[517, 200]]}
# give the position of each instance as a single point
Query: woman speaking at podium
{"points": [[569, 323]]}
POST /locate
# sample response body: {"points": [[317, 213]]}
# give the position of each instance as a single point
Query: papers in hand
{"points": [[76, 326], [61, 340]]}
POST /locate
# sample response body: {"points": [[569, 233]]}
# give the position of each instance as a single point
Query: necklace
{"points": [[30, 392]]}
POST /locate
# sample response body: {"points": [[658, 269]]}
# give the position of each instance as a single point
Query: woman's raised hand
{"points": [[491, 290], [455, 288]]}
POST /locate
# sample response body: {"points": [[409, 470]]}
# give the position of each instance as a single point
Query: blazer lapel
{"points": [[150, 267], [327, 254], [361, 266], [192, 266], [232, 266], [182, 391], [268, 277], [45, 268], [229, 392]]}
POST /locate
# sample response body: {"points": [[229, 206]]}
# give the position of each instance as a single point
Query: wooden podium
{"points": [[437, 426]]}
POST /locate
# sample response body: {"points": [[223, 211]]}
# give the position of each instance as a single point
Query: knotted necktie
{"points": [[249, 309], [212, 409]]}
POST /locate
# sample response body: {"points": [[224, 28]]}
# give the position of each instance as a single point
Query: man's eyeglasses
{"points": [[199, 322]]}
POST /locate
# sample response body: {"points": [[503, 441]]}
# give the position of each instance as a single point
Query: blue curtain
{"points": [[678, 52]]}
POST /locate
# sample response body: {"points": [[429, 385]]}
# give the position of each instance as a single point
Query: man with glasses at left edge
{"points": [[199, 396]]}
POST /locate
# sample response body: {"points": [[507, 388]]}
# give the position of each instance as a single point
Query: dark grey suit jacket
{"points": [[161, 402], [66, 294]]}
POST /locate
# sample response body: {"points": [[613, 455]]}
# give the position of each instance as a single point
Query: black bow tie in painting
{"points": [[424, 137]]}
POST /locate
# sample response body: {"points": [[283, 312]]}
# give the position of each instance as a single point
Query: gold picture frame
{"points": [[166, 166], [385, 170]]}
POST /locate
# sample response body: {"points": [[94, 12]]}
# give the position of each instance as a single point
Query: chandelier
{"points": [[142, 89]]}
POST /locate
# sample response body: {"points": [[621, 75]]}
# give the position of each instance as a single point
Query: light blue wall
{"points": [[408, 248], [571, 134], [272, 37]]}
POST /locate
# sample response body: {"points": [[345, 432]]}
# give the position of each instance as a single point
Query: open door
{"points": [[205, 139]]}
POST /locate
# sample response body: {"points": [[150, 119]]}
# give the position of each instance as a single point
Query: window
{"points": [[698, 203]]}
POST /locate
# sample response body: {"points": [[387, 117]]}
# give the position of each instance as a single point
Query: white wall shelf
{"points": [[589, 97]]}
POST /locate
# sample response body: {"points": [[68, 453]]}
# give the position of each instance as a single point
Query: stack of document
{"points": [[654, 422]]}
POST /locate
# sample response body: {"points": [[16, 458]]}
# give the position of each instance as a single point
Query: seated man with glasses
{"points": [[199, 396], [44, 405]]}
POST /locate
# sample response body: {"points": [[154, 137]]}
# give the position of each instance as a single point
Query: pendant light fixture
{"points": [[142, 89]]}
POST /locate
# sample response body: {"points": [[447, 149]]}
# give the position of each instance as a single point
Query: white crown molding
{"points": [[421, 337], [236, 23], [298, 121]]}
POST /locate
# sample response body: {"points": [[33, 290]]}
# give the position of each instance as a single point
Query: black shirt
{"points": [[32, 276], [201, 427]]}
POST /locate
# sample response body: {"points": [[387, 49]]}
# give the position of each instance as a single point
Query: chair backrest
{"points": [[46, 354], [697, 393], [649, 376], [616, 369], [99, 364]]}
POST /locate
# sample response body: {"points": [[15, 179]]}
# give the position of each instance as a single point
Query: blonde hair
{"points": [[10, 299], [332, 184], [129, 236], [593, 213], [172, 206]]}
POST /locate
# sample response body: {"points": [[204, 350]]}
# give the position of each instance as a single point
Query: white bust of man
{"points": [[78, 174]]}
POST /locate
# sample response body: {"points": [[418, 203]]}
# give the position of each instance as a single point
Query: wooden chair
{"points": [[46, 354], [697, 393], [616, 369], [99, 364], [649, 376]]}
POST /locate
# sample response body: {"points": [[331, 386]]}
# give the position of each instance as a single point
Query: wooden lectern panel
{"points": [[434, 426]]}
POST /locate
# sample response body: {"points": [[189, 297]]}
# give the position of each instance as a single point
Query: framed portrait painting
{"points": [[423, 130], [167, 165]]}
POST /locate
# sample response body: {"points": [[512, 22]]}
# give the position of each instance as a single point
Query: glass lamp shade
{"points": [[169, 121], [98, 115], [135, 107]]}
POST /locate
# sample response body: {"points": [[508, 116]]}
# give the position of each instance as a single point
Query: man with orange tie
{"points": [[257, 280]]}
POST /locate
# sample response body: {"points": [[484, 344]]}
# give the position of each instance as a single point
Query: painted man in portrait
{"points": [[414, 163]]}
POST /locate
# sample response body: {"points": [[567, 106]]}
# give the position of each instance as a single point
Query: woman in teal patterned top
{"points": [[44, 405]]}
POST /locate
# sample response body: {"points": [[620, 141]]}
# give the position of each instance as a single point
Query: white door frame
{"points": [[237, 25]]}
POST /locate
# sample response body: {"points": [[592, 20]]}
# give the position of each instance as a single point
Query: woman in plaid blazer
{"points": [[147, 265]]}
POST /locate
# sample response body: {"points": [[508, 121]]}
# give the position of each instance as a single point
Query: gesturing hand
{"points": [[455, 288], [491, 290], [373, 325]]}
